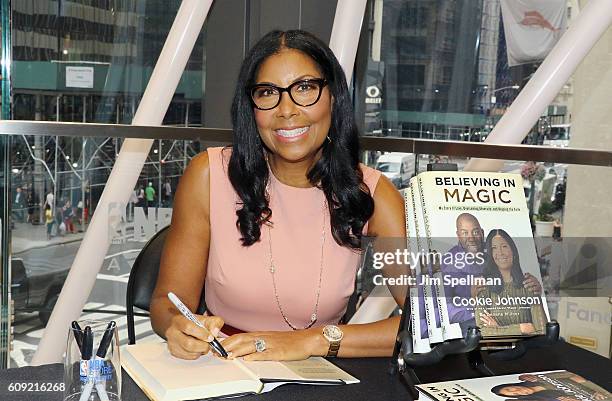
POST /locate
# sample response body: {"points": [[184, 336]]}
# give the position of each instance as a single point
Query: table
{"points": [[376, 384]]}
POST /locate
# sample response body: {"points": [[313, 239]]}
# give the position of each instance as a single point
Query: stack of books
{"points": [[475, 263]]}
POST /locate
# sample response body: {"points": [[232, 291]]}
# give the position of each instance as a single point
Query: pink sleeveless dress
{"points": [[239, 285]]}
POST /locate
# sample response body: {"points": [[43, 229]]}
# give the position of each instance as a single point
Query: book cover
{"points": [[552, 385], [479, 234]]}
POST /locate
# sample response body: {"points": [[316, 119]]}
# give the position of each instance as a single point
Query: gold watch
{"points": [[334, 335]]}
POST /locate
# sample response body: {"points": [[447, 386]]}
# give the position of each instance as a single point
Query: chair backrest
{"points": [[143, 278]]}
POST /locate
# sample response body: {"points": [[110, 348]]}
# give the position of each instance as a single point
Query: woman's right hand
{"points": [[487, 319], [188, 341]]}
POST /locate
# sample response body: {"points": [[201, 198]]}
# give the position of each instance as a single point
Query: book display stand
{"points": [[404, 360]]}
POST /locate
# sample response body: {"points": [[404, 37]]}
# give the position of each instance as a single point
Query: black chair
{"points": [[143, 278]]}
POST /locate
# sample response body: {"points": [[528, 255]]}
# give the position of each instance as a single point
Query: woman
{"points": [[505, 315], [272, 225]]}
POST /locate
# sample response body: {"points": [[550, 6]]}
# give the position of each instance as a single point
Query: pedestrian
{"points": [[18, 205], [168, 193], [68, 215], [49, 220], [31, 206], [141, 200], [150, 195], [131, 203], [49, 199], [59, 220], [79, 214]]}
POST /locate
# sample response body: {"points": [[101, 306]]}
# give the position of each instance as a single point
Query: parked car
{"points": [[397, 167], [35, 290]]}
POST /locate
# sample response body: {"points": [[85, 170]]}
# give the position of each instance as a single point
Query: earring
{"points": [[329, 139]]}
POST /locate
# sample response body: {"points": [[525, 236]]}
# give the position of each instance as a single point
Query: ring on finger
{"points": [[260, 345]]}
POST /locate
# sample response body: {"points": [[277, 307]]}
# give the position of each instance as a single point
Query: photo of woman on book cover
{"points": [[508, 307], [561, 386]]}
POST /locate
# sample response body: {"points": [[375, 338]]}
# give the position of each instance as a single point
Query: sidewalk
{"points": [[26, 236]]}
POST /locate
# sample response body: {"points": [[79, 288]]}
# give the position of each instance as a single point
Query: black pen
{"points": [[86, 356], [78, 335], [215, 344], [101, 353], [106, 340], [87, 346]]}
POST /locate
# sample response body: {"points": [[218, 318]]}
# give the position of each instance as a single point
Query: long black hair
{"points": [[336, 173], [492, 271]]}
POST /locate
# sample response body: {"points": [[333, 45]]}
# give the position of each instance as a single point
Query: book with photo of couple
{"points": [[559, 385], [475, 230]]}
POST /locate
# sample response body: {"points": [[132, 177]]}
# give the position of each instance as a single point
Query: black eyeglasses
{"points": [[303, 93]]}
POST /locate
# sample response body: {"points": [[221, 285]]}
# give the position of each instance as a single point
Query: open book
{"points": [[163, 377]]}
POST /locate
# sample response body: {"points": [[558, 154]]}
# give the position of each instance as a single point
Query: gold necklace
{"points": [[272, 269]]}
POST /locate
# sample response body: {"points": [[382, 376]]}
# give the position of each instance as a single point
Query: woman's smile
{"points": [[291, 134]]}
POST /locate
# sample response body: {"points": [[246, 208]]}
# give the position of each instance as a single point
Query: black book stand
{"points": [[404, 360]]}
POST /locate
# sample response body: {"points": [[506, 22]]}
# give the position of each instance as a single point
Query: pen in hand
{"points": [[215, 344]]}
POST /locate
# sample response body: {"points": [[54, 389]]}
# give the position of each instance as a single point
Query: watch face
{"points": [[333, 333]]}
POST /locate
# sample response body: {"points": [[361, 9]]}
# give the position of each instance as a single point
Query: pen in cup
{"points": [[101, 353], [86, 351], [78, 335], [95, 362], [215, 344]]}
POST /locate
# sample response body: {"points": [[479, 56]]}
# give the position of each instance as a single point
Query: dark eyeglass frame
{"points": [[320, 81]]}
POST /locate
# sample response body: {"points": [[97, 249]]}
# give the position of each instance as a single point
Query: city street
{"points": [[108, 294]]}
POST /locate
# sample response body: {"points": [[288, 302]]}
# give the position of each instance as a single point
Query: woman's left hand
{"points": [[279, 345]]}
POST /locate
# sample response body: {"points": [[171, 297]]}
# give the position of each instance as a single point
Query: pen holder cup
{"points": [[92, 368]]}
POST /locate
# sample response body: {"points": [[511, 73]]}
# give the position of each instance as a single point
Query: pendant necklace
{"points": [[272, 269]]}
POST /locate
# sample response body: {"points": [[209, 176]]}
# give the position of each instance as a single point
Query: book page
{"points": [[420, 336], [165, 377], [310, 370], [424, 278]]}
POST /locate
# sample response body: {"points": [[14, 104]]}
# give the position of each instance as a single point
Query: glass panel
{"points": [[441, 70], [78, 62], [49, 171], [89, 62]]}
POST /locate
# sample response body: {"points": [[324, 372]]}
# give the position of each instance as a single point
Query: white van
{"points": [[397, 167], [558, 136]]}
